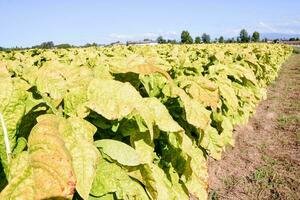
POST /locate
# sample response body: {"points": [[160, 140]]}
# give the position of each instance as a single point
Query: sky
{"points": [[30, 22]]}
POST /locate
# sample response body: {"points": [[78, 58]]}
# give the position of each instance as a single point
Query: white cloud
{"points": [[289, 27], [232, 32], [151, 34], [286, 27], [119, 36], [262, 26]]}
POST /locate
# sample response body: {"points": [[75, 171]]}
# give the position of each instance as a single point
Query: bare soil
{"points": [[265, 162]]}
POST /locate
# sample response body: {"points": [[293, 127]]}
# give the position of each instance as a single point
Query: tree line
{"points": [[49, 45], [186, 38]]}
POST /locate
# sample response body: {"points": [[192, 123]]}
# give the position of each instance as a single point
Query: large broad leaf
{"points": [[48, 171], [144, 69], [78, 137], [162, 118], [111, 178], [21, 185], [201, 89], [112, 99], [189, 162], [119, 151], [12, 108], [115, 100], [84, 154], [229, 95], [74, 102], [212, 142], [55, 78], [195, 112], [54, 176], [153, 177], [51, 79], [158, 185], [153, 83], [143, 146]]}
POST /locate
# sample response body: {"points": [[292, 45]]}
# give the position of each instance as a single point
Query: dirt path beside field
{"points": [[265, 162]]}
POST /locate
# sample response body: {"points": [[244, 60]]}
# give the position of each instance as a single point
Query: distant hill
{"points": [[273, 36]]}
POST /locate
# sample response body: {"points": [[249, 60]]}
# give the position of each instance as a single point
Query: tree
{"points": [[221, 39], [161, 40], [255, 36], [205, 38], [186, 38], [197, 40], [171, 41], [90, 45], [231, 40], [244, 37], [45, 45], [63, 46], [294, 39]]}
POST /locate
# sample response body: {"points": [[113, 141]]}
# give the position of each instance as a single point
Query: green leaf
{"points": [[111, 178], [78, 137], [229, 95], [158, 185], [53, 176], [195, 112], [115, 100], [21, 145], [119, 151], [84, 154], [21, 185], [12, 108], [162, 116], [112, 99], [212, 142], [45, 171], [201, 89], [74, 102]]}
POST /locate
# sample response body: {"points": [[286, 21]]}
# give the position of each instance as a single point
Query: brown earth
{"points": [[265, 162]]}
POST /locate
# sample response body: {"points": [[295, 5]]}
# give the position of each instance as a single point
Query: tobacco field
{"points": [[125, 122]]}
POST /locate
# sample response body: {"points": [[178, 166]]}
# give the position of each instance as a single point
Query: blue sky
{"points": [[29, 22]]}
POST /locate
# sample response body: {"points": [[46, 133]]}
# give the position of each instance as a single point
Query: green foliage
{"points": [[197, 40], [291, 39], [255, 36], [244, 37], [125, 122], [161, 40], [221, 39], [205, 38], [90, 45], [45, 45], [169, 41], [186, 38], [63, 46]]}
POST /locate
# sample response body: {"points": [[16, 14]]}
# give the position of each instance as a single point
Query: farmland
{"points": [[125, 122]]}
